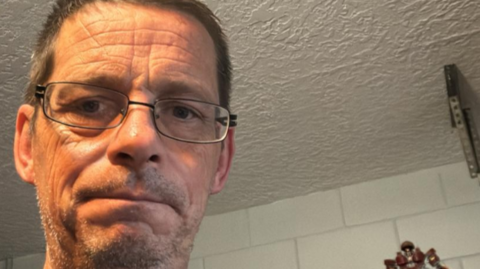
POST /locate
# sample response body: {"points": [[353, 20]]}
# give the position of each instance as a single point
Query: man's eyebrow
{"points": [[103, 81], [164, 88], [179, 88]]}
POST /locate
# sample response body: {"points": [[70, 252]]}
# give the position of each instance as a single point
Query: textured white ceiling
{"points": [[329, 93]]}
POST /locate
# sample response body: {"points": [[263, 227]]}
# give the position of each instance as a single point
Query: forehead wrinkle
{"points": [[168, 59], [150, 56], [115, 60], [130, 19], [100, 44], [89, 22], [104, 30], [151, 47], [168, 43], [105, 64], [133, 52], [142, 29], [159, 64], [89, 34]]}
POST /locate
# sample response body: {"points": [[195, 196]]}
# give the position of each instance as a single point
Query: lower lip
{"points": [[125, 207]]}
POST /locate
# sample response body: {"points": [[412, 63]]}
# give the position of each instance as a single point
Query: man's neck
{"points": [[178, 264]]}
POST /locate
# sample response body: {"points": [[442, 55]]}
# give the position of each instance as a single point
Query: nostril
{"points": [[124, 156], [154, 158]]}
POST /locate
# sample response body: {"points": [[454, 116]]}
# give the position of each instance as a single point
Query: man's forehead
{"points": [[108, 17], [157, 34]]}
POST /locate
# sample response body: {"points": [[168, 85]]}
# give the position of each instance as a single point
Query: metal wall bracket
{"points": [[464, 111]]}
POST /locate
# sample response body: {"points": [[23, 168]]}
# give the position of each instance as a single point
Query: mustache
{"points": [[149, 184]]}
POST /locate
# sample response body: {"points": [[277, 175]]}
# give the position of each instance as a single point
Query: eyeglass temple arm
{"points": [[40, 91], [231, 123]]}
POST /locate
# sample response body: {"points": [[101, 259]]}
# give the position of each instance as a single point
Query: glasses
{"points": [[91, 107]]}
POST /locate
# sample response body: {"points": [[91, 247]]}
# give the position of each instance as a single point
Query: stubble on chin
{"points": [[74, 244], [92, 250], [129, 251]]}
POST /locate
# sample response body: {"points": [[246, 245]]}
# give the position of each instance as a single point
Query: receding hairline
{"points": [[100, 6], [193, 37]]}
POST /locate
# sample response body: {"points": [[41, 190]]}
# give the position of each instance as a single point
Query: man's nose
{"points": [[136, 142]]}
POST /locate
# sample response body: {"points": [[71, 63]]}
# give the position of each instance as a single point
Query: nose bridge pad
{"points": [[135, 140], [150, 107], [134, 127]]}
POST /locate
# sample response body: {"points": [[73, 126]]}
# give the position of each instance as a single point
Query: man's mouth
{"points": [[139, 197], [127, 195]]}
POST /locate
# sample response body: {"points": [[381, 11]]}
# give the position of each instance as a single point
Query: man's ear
{"points": [[224, 162], [22, 148]]}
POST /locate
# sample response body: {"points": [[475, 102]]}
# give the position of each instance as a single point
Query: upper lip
{"points": [[126, 195]]}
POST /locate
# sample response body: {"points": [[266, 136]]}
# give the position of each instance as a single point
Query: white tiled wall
{"points": [[350, 246], [471, 262], [392, 197], [454, 232], [356, 226], [459, 187], [353, 227], [280, 255], [311, 214], [196, 264], [215, 229], [454, 264], [34, 261]]}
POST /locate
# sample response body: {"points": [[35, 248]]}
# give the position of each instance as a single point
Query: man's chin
{"points": [[115, 232], [131, 228], [127, 245], [122, 235]]}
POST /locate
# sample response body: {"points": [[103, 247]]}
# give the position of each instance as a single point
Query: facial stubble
{"points": [[73, 244]]}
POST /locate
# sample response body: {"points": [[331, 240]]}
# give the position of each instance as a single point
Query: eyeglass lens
{"points": [[94, 107]]}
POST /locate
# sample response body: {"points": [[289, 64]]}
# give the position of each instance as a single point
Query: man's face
{"points": [[125, 196]]}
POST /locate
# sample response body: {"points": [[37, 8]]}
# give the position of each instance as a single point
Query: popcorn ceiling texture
{"points": [[329, 93]]}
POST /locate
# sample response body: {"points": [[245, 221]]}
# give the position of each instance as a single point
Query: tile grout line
{"points": [[436, 210], [249, 228], [443, 190], [342, 208], [397, 233], [297, 256]]}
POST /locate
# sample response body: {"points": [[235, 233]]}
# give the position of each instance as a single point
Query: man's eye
{"points": [[98, 108], [90, 106], [179, 112], [182, 112]]}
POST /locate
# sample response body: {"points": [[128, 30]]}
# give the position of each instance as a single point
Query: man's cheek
{"points": [[62, 160], [195, 163], [201, 178], [81, 145]]}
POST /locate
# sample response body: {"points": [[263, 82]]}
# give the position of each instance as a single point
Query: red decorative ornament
{"points": [[412, 257]]}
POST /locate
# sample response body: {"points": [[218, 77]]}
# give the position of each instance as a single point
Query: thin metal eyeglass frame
{"points": [[232, 121]]}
